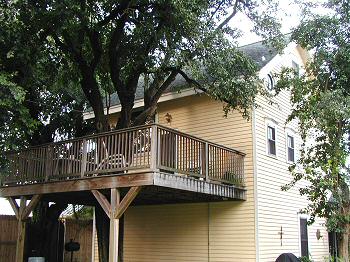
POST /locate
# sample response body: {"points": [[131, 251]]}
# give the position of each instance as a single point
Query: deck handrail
{"points": [[121, 130], [153, 146]]}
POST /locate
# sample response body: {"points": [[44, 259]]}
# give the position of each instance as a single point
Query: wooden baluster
{"points": [[83, 159], [206, 155], [48, 163]]}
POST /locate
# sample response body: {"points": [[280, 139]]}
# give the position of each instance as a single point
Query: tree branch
{"points": [[114, 48], [151, 105], [191, 81], [234, 12], [89, 84], [118, 11], [94, 37], [216, 10], [196, 84]]}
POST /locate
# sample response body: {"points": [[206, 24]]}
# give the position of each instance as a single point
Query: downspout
{"points": [[208, 231], [255, 175]]}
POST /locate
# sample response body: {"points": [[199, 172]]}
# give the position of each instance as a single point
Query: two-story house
{"points": [[203, 187]]}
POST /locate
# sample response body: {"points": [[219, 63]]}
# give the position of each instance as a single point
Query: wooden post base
{"points": [[114, 210], [22, 213]]}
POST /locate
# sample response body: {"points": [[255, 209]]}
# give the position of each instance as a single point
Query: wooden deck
{"points": [[150, 155]]}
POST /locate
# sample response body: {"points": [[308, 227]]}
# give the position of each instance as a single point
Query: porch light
{"points": [[318, 234]]}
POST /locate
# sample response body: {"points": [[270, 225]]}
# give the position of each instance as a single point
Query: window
{"points": [[269, 82], [290, 148], [271, 140], [304, 241]]}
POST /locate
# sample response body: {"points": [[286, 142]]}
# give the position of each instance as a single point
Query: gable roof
{"points": [[260, 53]]}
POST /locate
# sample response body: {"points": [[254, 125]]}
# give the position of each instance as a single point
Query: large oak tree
{"points": [[81, 51]]}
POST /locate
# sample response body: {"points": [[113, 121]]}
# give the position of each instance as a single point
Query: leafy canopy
{"points": [[108, 46]]}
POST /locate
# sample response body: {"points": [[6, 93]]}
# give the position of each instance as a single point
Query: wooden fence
{"points": [[150, 147], [79, 231], [8, 238]]}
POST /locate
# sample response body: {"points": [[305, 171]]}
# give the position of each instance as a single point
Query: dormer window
{"points": [[269, 82]]}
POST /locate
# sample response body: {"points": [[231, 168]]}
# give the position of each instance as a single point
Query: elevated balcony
{"points": [[172, 166]]}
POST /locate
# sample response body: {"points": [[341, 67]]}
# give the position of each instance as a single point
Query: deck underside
{"points": [[158, 188]]}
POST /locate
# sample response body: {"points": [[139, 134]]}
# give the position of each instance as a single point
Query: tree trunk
{"points": [[125, 114], [102, 227], [92, 93], [344, 244], [43, 232]]}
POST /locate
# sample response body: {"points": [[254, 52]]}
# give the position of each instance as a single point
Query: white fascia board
{"points": [[140, 102]]}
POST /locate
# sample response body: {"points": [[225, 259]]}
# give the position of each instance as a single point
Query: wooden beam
{"points": [[127, 199], [21, 232], [114, 226], [199, 186], [85, 184], [102, 200], [14, 206], [32, 204]]}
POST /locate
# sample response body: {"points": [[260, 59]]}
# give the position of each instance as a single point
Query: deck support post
{"points": [[21, 234], [114, 226], [22, 213], [114, 210]]}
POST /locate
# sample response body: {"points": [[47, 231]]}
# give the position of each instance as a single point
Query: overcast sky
{"points": [[290, 16]]}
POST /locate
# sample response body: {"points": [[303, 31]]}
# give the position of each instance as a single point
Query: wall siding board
{"points": [[275, 207], [223, 231]]}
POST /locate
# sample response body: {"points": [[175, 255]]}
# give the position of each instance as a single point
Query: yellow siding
{"points": [[182, 232], [166, 233], [277, 208]]}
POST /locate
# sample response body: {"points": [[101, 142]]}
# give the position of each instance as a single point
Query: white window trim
{"points": [[271, 123], [269, 76], [290, 131], [307, 217], [292, 134]]}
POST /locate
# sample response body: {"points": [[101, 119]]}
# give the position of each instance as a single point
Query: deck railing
{"points": [[149, 147]]}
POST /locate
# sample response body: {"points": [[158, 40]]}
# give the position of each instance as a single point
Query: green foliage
{"points": [[14, 116], [116, 43], [84, 213], [305, 259], [37, 100], [321, 99], [66, 53], [335, 259]]}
